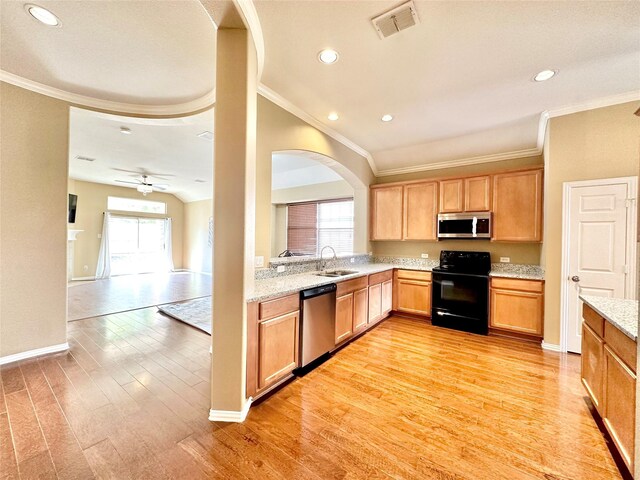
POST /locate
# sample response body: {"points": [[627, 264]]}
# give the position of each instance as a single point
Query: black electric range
{"points": [[460, 291]]}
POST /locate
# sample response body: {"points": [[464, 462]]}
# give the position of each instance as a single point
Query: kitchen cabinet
{"points": [[452, 195], [477, 194], [375, 303], [380, 295], [608, 373], [387, 297], [517, 206], [420, 209], [517, 305], [344, 317], [360, 309], [351, 308], [386, 213], [272, 342], [412, 291]]}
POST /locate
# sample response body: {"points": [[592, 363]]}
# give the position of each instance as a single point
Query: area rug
{"points": [[196, 313]]}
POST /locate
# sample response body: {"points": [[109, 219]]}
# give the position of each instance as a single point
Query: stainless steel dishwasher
{"points": [[318, 322]]}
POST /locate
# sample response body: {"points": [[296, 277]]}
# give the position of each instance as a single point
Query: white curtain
{"points": [[168, 246], [103, 270]]}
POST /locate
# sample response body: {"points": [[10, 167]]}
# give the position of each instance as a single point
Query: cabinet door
{"points": [[387, 297], [477, 194], [375, 302], [360, 308], [593, 366], [420, 211], [386, 213], [278, 348], [517, 206], [517, 311], [451, 196], [414, 297], [620, 404], [344, 317]]}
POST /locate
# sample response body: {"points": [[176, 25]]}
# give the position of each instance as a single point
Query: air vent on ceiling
{"points": [[396, 20], [85, 159]]}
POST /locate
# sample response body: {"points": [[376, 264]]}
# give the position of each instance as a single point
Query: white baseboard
{"points": [[34, 353], [552, 347], [230, 415], [75, 279]]}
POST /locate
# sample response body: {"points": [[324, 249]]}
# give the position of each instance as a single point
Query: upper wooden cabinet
{"points": [[452, 195], [477, 194], [404, 212], [386, 213], [420, 207], [517, 206]]}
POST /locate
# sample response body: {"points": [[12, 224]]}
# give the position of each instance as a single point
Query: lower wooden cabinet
{"points": [[278, 348], [375, 303], [517, 305], [344, 317], [360, 309], [387, 297], [412, 292], [609, 376], [593, 366], [380, 295]]}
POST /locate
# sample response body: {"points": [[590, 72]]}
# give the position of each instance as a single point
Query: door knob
{"points": [[575, 278]]}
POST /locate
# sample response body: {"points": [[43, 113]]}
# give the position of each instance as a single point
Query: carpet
{"points": [[196, 313]]}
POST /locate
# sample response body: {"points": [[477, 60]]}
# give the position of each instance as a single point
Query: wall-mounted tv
{"points": [[73, 204]]}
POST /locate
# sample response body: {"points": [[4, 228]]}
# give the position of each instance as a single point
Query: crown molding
{"points": [[201, 103], [593, 104], [279, 100], [498, 157], [250, 15]]}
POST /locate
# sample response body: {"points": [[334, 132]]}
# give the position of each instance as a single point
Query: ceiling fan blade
{"points": [[159, 175], [160, 186], [132, 183]]}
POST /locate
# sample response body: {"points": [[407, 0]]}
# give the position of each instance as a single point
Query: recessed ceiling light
{"points": [[387, 118], [42, 15], [328, 56], [333, 116], [125, 130], [544, 75]]}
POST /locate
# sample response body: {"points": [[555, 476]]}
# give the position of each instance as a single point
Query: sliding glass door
{"points": [[137, 245]]}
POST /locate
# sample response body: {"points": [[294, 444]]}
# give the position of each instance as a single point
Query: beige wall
{"points": [[34, 132], [279, 130], [196, 248], [518, 252], [601, 143], [92, 203]]}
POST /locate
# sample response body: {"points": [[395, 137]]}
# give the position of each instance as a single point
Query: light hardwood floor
{"points": [[407, 400], [129, 292]]}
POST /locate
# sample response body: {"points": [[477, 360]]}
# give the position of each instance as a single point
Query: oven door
{"points": [[460, 301]]}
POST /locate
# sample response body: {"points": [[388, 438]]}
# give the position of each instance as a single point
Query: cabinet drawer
{"points": [[622, 346], [351, 286], [534, 286], [380, 277], [279, 306], [414, 275], [593, 319]]}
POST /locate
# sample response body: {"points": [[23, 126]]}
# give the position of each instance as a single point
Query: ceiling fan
{"points": [[144, 187]]}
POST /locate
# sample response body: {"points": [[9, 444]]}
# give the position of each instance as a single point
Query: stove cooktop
{"points": [[475, 263]]}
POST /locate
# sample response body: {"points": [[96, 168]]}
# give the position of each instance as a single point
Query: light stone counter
{"points": [[514, 270], [621, 313]]}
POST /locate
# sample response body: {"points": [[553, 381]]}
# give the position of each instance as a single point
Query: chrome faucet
{"points": [[322, 264]]}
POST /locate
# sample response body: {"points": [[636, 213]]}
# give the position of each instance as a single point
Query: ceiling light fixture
{"points": [[544, 75], [42, 15], [125, 131], [144, 189], [328, 56], [387, 118], [333, 116]]}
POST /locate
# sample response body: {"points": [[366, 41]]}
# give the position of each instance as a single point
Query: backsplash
{"points": [[407, 261]]}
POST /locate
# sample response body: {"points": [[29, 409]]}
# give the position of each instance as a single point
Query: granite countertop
{"points": [[621, 313], [280, 286], [514, 270]]}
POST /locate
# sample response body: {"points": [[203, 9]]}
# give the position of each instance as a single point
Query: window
{"points": [[137, 245], [136, 205], [313, 225]]}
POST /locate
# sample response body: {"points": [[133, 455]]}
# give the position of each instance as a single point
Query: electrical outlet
{"points": [[425, 255], [505, 259], [259, 261], [281, 268], [353, 260]]}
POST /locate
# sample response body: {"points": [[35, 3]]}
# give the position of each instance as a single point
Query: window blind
{"points": [[314, 225]]}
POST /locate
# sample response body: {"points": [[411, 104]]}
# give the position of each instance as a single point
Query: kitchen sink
{"points": [[335, 273]]}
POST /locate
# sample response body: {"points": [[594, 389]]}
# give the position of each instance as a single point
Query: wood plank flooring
{"points": [[407, 400], [129, 292]]}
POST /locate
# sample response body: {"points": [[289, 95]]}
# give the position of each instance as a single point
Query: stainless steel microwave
{"points": [[464, 225]]}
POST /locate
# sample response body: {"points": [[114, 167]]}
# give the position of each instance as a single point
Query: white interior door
{"points": [[597, 249]]}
